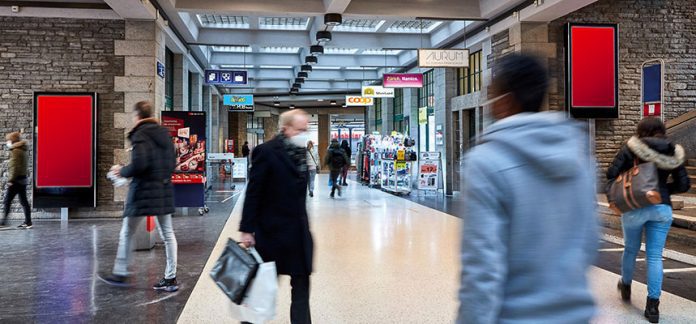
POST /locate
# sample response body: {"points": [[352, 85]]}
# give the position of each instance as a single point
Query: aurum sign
{"points": [[359, 101], [443, 58]]}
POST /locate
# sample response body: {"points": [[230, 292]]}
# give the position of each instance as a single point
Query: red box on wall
{"points": [[592, 71]]}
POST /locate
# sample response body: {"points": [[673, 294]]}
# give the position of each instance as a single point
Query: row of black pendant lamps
{"points": [[323, 36]]}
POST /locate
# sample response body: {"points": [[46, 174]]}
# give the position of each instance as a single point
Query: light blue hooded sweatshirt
{"points": [[530, 229]]}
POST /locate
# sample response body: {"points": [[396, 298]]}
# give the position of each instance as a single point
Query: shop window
{"points": [[469, 79]]}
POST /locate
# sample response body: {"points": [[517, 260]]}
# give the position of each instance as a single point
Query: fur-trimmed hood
{"points": [[662, 152], [20, 145]]}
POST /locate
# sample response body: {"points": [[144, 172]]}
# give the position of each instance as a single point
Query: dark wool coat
{"points": [[668, 157], [275, 210], [153, 160]]}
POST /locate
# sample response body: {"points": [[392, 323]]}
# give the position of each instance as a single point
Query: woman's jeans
{"points": [[656, 220], [125, 244], [311, 175]]}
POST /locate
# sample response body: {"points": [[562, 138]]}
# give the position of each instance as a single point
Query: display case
{"points": [[396, 176]]}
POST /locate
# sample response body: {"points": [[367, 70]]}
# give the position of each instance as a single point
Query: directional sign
{"points": [[238, 102], [226, 77]]}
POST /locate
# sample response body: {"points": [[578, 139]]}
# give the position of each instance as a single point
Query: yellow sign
{"points": [[422, 116], [400, 165], [401, 155]]}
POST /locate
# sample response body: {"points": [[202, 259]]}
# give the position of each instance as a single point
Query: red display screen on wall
{"points": [[64, 141], [592, 70]]}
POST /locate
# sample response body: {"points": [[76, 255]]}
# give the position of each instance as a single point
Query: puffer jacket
{"points": [[336, 158], [153, 160], [18, 162], [668, 157]]}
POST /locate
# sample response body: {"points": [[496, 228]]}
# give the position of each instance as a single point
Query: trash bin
{"points": [[146, 234]]}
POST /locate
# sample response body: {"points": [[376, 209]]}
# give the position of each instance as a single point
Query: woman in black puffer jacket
{"points": [[650, 145]]}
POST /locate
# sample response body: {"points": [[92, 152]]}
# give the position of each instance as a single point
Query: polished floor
{"points": [[50, 274], [383, 259]]}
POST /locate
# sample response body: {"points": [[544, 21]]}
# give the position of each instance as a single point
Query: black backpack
{"points": [[337, 159]]}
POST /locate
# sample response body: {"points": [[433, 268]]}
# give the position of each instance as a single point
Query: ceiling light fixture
{"points": [[333, 19], [323, 36], [299, 80], [316, 49], [296, 85], [303, 75], [311, 59], [306, 68], [276, 103], [292, 106], [333, 102]]}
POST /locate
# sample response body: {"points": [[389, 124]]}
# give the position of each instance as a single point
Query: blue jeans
{"points": [[656, 220], [125, 244]]}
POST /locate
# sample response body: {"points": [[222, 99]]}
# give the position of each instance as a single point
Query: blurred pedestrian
{"points": [[530, 228], [17, 179], [336, 160], [312, 166], [245, 149], [649, 145], [274, 218], [151, 193], [344, 175]]}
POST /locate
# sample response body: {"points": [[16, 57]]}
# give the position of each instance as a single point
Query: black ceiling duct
{"points": [[323, 36], [333, 19], [306, 67], [311, 59], [316, 49], [303, 75]]}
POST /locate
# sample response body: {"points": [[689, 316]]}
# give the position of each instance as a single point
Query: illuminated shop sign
{"points": [[359, 101], [443, 58]]}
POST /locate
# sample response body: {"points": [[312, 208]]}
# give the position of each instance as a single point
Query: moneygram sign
{"points": [[377, 92], [359, 101], [443, 58]]}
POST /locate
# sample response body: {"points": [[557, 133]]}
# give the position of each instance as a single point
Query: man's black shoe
{"points": [[118, 281], [169, 285]]}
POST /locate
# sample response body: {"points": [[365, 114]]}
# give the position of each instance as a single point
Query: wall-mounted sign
{"points": [[377, 92], [422, 115], [234, 102], [160, 69], [592, 70], [225, 77], [653, 87], [359, 101], [439, 135], [403, 80], [443, 58]]}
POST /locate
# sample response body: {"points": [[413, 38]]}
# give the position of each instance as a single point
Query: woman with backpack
{"points": [[649, 145]]}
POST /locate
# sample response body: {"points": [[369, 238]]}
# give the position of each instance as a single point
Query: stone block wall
{"points": [[647, 30], [66, 55]]}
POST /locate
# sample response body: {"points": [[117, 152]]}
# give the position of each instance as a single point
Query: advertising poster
{"points": [[429, 171], [238, 103], [187, 130]]}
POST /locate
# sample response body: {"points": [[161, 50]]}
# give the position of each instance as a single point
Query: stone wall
{"points": [[647, 30], [66, 55]]}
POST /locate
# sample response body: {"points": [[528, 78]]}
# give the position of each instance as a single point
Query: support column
{"points": [[181, 85], [196, 92], [324, 134], [142, 48], [387, 115], [445, 90]]}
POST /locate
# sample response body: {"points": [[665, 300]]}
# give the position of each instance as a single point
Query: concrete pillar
{"points": [[445, 90], [196, 92], [181, 83], [325, 133], [142, 48], [387, 115], [533, 38], [370, 121]]}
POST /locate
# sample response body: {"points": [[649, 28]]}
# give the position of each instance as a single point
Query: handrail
{"points": [[680, 120]]}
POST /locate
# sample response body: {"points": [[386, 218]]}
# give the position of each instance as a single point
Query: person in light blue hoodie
{"points": [[530, 230]]}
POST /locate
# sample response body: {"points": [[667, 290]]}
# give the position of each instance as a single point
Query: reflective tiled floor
{"points": [[49, 274]]}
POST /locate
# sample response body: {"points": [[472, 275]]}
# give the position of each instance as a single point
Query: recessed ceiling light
{"points": [[276, 103], [311, 59], [316, 49], [333, 102], [320, 100]]}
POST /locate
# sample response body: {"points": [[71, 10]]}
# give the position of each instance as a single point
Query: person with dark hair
{"points": [[530, 229], [344, 173], [150, 193], [245, 149], [336, 160], [17, 179], [649, 145]]}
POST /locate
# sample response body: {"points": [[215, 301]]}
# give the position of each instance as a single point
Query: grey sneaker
{"points": [[25, 226], [169, 285]]}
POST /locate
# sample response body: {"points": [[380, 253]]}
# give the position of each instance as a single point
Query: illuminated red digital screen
{"points": [[593, 70], [64, 141]]}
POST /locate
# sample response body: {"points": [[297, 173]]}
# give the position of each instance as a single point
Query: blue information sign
{"points": [[225, 77], [160, 69], [236, 102], [652, 83]]}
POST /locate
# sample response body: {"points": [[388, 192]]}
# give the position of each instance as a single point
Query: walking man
{"points": [[336, 159], [17, 179], [274, 218], [150, 194]]}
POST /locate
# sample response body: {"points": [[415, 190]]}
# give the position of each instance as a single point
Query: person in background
{"points": [[530, 230], [336, 159], [274, 217], [312, 166], [245, 149], [344, 174], [17, 179], [150, 193], [649, 145]]}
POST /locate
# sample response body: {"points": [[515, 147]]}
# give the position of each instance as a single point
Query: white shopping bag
{"points": [[260, 300]]}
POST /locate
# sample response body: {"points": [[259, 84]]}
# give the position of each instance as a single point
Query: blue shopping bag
{"points": [[330, 183]]}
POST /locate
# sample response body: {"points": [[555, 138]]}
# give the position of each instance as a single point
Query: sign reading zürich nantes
{"points": [[377, 92], [443, 58]]}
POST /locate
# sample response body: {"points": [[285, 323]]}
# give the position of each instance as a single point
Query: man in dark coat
{"points": [[151, 193], [336, 159], [274, 219], [17, 179]]}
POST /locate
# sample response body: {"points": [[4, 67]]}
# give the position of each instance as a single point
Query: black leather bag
{"points": [[234, 271]]}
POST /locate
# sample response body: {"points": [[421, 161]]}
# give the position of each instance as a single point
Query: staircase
{"points": [[691, 168]]}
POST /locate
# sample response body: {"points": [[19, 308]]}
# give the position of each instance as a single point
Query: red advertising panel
{"points": [[64, 141], [592, 70]]}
